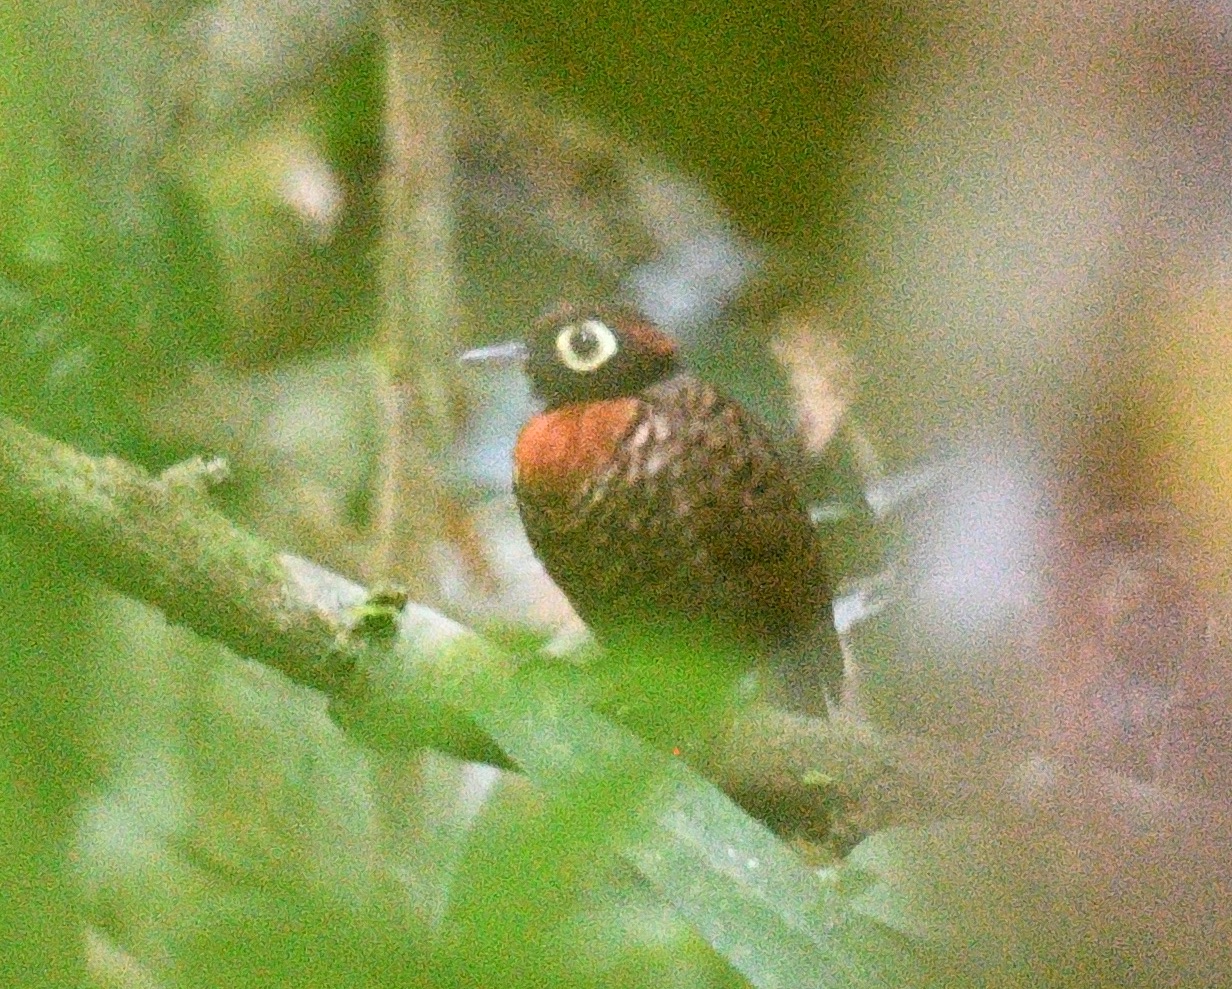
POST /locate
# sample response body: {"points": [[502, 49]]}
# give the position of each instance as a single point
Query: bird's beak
{"points": [[513, 352]]}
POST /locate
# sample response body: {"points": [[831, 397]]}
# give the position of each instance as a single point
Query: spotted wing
{"points": [[745, 512]]}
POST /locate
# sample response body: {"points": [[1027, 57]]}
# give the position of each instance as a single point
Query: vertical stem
{"points": [[413, 353]]}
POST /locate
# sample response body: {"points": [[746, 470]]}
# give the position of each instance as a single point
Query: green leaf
{"points": [[607, 796], [743, 890]]}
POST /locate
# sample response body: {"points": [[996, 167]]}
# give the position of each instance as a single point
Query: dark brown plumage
{"points": [[658, 505]]}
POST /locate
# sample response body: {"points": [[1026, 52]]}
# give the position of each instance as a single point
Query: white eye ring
{"points": [[566, 346]]}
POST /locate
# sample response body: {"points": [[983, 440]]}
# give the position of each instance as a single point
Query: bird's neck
{"points": [[562, 447]]}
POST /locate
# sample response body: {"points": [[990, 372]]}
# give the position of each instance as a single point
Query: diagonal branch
{"points": [[158, 540]]}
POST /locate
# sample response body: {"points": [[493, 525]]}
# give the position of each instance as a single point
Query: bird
{"points": [[659, 505]]}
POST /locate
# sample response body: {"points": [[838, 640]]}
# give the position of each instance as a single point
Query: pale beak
{"points": [[513, 352]]}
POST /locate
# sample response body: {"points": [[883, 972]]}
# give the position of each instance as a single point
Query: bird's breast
{"points": [[560, 450]]}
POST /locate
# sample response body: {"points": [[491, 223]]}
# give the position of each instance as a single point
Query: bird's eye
{"points": [[586, 346]]}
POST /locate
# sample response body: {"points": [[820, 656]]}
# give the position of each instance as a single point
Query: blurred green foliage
{"points": [[110, 283], [173, 815], [188, 238], [765, 102]]}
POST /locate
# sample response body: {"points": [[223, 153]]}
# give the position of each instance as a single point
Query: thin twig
{"points": [[414, 349]]}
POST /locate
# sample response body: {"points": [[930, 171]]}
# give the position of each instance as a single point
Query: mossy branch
{"points": [[158, 540]]}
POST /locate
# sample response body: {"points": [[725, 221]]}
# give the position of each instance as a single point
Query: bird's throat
{"points": [[560, 449]]}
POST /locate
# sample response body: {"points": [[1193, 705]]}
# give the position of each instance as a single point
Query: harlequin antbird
{"points": [[658, 505]]}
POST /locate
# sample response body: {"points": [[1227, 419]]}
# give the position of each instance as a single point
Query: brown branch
{"points": [[158, 540]]}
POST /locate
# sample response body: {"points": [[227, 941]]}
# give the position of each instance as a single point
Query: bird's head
{"points": [[588, 354]]}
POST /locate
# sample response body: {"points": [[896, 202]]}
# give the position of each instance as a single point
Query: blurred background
{"points": [[971, 261]]}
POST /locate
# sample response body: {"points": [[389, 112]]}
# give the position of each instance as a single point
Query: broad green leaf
{"points": [[742, 889]]}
